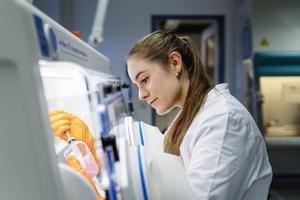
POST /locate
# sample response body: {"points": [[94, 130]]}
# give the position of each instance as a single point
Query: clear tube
{"points": [[82, 153]]}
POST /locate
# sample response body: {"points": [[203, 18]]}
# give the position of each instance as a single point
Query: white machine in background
{"points": [[45, 67]]}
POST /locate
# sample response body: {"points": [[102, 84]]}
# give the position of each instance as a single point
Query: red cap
{"points": [[76, 33]]}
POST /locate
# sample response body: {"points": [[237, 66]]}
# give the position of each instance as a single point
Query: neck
{"points": [[185, 88]]}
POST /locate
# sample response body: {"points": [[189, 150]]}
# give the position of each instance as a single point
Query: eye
{"points": [[145, 80]]}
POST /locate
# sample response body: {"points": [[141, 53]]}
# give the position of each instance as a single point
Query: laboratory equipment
{"points": [[81, 152], [278, 88], [277, 79], [96, 37], [34, 50], [137, 162], [44, 67]]}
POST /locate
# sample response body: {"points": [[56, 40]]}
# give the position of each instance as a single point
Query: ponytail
{"points": [[197, 92]]}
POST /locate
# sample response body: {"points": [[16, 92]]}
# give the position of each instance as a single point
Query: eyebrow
{"points": [[137, 76]]}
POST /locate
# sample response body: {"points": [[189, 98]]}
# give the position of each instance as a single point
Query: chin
{"points": [[162, 111]]}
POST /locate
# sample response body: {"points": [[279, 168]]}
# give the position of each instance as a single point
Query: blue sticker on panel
{"points": [[41, 35], [53, 40]]}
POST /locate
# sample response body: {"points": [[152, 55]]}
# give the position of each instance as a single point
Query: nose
{"points": [[143, 94]]}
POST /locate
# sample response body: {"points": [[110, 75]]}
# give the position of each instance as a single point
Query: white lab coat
{"points": [[224, 153]]}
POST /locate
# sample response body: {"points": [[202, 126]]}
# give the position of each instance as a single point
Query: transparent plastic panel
{"points": [[69, 87], [65, 87]]}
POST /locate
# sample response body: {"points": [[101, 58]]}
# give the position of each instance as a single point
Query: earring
{"points": [[176, 73]]}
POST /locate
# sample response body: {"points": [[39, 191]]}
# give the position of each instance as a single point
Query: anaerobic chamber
{"points": [[277, 76], [44, 67]]}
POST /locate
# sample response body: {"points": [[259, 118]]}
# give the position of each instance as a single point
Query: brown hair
{"points": [[156, 47]]}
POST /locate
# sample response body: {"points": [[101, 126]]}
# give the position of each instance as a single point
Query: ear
{"points": [[175, 62]]}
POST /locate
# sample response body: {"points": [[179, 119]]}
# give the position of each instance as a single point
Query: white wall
{"points": [[128, 20], [279, 22]]}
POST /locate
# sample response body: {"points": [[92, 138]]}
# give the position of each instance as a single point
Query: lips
{"points": [[152, 101]]}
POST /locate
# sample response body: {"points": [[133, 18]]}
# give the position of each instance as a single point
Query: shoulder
{"points": [[220, 116]]}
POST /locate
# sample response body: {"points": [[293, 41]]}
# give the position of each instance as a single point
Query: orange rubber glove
{"points": [[62, 121], [75, 164]]}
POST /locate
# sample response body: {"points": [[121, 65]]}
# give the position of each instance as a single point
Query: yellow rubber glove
{"points": [[62, 121], [75, 164]]}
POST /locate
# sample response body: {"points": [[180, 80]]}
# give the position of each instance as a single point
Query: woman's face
{"points": [[158, 85]]}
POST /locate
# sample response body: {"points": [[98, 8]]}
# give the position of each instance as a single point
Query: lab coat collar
{"points": [[219, 89]]}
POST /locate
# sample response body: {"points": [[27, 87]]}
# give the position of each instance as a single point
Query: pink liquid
{"points": [[92, 168]]}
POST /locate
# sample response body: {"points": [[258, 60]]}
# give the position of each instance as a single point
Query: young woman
{"points": [[222, 149]]}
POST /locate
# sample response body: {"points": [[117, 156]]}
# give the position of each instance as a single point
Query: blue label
{"points": [[41, 35], [105, 123], [53, 40]]}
